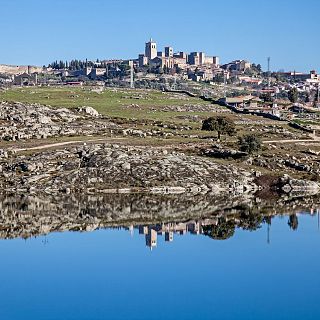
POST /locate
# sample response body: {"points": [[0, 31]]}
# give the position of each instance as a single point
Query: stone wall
{"points": [[18, 69]]}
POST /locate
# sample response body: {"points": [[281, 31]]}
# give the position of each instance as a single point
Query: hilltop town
{"points": [[241, 83]]}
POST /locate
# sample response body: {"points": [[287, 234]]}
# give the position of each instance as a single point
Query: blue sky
{"points": [[40, 31]]}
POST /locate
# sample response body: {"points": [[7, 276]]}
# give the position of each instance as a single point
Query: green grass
{"points": [[113, 103], [122, 103], [306, 122]]}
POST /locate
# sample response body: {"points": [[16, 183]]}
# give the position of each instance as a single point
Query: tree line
{"points": [[76, 64], [225, 229]]}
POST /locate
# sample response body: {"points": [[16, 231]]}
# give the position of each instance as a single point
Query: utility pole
{"points": [[174, 85], [268, 72], [224, 84], [131, 74], [268, 221]]}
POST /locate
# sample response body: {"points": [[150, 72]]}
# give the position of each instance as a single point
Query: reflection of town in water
{"points": [[153, 216], [218, 228]]}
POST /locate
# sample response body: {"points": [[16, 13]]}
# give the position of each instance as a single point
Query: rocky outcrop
{"points": [[113, 168], [33, 121], [286, 163], [296, 165], [223, 153], [90, 111]]}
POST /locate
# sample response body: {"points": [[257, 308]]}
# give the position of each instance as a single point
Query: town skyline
{"points": [[291, 45], [175, 52]]}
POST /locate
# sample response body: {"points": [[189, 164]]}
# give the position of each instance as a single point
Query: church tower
{"points": [[151, 49]]}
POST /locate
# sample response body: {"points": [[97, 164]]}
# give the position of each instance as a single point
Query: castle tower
{"points": [[151, 49], [168, 52], [151, 239]]}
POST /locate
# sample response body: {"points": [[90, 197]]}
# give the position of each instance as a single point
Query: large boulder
{"points": [[90, 111]]}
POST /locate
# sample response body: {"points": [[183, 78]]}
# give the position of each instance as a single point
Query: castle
{"points": [[169, 59]]}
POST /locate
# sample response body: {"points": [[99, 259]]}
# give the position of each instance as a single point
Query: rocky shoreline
{"points": [[114, 168]]}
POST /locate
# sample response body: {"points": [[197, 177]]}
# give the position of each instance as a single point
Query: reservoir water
{"points": [[256, 266]]}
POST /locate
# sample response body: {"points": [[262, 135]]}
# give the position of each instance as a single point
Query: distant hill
{"points": [[18, 69]]}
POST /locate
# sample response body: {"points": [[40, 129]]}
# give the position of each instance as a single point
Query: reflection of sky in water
{"points": [[112, 275]]}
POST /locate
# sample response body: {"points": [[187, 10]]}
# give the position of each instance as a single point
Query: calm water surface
{"points": [[270, 273]]}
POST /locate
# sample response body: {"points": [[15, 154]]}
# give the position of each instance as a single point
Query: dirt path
{"points": [[291, 141], [169, 146], [117, 140], [313, 139], [59, 144]]}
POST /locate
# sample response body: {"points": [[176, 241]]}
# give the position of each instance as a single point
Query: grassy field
{"points": [[138, 104], [125, 103]]}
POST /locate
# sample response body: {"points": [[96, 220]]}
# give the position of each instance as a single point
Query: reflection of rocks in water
{"points": [[36, 215], [27, 216]]}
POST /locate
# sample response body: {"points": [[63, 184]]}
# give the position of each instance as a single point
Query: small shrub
{"points": [[249, 143]]}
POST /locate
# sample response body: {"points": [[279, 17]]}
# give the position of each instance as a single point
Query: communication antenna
{"points": [[268, 72]]}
